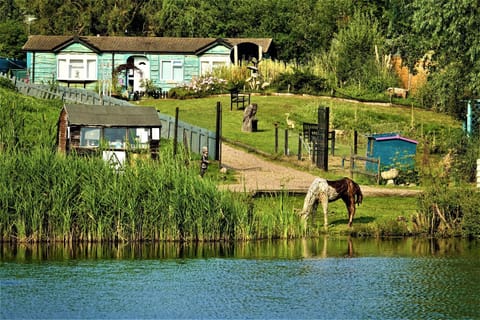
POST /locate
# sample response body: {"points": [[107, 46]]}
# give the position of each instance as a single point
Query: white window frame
{"points": [[175, 65], [212, 62], [77, 67]]}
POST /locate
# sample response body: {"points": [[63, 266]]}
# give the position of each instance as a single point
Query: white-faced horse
{"points": [[324, 191]]}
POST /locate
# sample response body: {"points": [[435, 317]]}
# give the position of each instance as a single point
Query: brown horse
{"points": [[324, 191]]}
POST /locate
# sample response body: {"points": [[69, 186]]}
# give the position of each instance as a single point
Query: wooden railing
{"points": [[361, 169], [70, 95]]}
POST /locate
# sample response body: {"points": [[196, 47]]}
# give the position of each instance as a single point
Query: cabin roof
{"points": [[111, 116], [391, 136], [137, 44]]}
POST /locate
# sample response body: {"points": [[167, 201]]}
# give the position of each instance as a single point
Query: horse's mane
{"points": [[346, 186]]}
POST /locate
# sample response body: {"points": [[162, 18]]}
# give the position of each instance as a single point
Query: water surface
{"points": [[321, 278]]}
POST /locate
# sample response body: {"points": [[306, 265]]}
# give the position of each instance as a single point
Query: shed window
{"points": [[115, 137], [89, 137], [172, 70], [77, 67]]}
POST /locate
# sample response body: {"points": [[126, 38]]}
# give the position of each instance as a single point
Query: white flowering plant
{"points": [[199, 87]]}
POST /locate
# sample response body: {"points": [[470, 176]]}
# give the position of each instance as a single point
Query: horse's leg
{"points": [[324, 200], [350, 204]]}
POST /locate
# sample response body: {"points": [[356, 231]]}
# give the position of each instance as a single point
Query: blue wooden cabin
{"points": [[97, 62], [393, 150]]}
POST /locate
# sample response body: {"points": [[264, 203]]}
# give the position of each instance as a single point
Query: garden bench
{"points": [[239, 99]]}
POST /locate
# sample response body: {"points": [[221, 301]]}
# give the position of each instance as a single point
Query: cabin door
{"points": [[141, 72]]}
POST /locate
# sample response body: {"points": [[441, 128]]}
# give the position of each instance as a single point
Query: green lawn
{"points": [[344, 115], [375, 216]]}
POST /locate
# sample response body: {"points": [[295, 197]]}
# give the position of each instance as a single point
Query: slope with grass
{"points": [[429, 128]]}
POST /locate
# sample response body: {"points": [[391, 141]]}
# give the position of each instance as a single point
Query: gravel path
{"points": [[255, 173]]}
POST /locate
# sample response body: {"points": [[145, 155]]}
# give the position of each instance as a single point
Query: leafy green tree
{"points": [[12, 38], [10, 10], [356, 52], [450, 29]]}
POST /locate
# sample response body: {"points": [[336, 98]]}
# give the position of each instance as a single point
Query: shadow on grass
{"points": [[355, 220]]}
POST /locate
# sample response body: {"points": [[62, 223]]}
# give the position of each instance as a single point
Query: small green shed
{"points": [[393, 150]]}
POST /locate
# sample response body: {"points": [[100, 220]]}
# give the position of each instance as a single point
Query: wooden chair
{"points": [[239, 99]]}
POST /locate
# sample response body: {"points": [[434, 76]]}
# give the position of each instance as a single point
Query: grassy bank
{"points": [[49, 197], [45, 196]]}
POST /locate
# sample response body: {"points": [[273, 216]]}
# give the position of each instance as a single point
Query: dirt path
{"points": [[255, 173]]}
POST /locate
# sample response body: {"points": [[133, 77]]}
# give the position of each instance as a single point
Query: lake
{"points": [[324, 278]]}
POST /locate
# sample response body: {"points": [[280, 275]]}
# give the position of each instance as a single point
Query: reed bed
{"points": [[45, 196]]}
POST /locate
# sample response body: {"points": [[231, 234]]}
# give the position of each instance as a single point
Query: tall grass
{"points": [[51, 197]]}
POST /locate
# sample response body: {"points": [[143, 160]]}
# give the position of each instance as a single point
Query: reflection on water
{"points": [[281, 249], [329, 278]]}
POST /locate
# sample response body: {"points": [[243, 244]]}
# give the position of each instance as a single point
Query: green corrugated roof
{"points": [[111, 116]]}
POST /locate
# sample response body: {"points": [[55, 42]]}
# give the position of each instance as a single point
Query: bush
{"points": [[198, 88], [301, 81], [7, 84], [448, 210]]}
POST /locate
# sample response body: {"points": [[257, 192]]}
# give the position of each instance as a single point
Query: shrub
{"points": [[7, 84], [300, 81], [199, 87], [448, 210]]}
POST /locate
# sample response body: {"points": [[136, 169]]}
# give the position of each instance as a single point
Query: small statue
{"points": [[204, 162], [248, 117]]}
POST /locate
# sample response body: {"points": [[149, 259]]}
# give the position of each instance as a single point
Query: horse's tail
{"points": [[358, 193]]}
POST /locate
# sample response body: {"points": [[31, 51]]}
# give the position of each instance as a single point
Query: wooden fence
{"points": [[194, 137], [66, 94], [355, 167]]}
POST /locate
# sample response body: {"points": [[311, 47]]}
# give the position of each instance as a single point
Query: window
{"points": [[77, 67], [89, 137], [172, 70], [210, 63], [115, 137]]}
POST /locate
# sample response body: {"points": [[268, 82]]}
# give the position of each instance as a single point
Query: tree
{"points": [[12, 38], [356, 51], [450, 29]]}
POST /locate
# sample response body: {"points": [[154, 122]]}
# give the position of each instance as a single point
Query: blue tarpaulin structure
{"points": [[14, 64], [393, 150]]}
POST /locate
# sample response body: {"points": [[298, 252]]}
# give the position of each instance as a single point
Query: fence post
{"points": [[286, 143], [299, 157], [175, 133], [355, 142], [352, 164], [276, 137], [333, 142], [218, 134]]}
